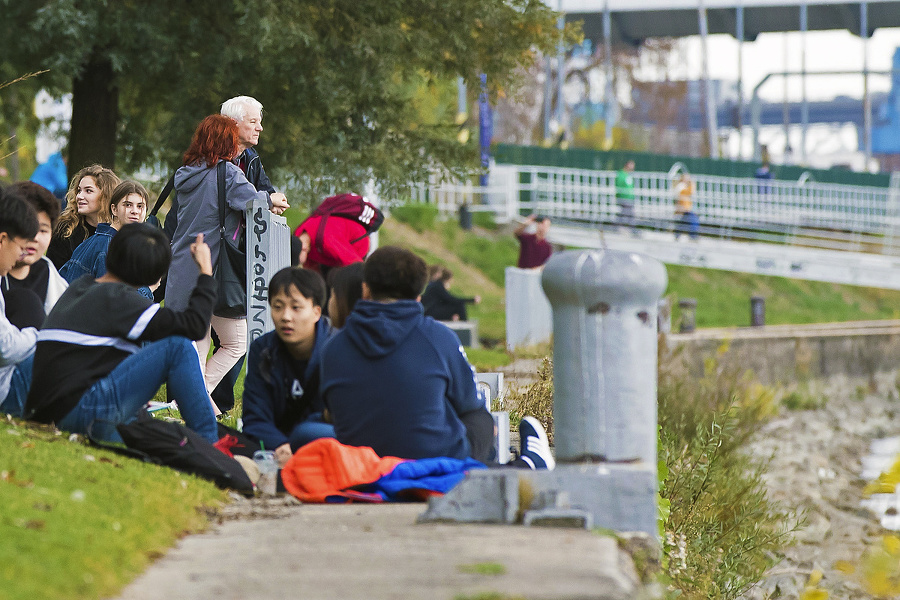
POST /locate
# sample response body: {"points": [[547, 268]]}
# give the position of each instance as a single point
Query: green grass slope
{"points": [[80, 522]]}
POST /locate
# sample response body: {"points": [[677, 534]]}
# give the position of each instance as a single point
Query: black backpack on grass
{"points": [[174, 445]]}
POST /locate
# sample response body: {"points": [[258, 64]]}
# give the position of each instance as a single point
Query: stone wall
{"points": [[790, 353]]}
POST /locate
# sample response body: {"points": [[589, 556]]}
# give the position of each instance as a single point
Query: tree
{"points": [[337, 77]]}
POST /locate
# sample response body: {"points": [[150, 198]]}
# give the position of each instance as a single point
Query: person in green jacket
{"points": [[625, 194]]}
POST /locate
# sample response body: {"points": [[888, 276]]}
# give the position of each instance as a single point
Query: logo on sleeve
{"points": [[296, 389]]}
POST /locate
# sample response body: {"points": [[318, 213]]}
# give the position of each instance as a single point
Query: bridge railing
{"points": [[823, 215]]}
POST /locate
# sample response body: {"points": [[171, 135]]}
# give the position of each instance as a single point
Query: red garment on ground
{"points": [[325, 467], [337, 251]]}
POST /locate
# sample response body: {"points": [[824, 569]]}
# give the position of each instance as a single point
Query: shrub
{"points": [[722, 532], [419, 216], [534, 400]]}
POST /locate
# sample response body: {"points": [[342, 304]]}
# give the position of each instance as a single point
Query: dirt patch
{"points": [[815, 466]]}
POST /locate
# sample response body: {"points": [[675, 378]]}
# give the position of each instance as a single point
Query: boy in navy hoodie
{"points": [[282, 408], [400, 382]]}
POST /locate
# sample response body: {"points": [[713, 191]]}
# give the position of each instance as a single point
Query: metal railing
{"points": [[803, 213]]}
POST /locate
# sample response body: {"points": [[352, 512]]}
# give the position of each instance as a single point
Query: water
{"points": [[886, 507]]}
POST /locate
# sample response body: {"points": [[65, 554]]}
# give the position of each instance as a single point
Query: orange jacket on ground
{"points": [[325, 467]]}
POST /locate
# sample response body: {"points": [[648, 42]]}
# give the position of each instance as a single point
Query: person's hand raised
{"points": [[201, 255]]}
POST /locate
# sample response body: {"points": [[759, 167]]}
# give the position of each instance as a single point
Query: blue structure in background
{"points": [[886, 129]]}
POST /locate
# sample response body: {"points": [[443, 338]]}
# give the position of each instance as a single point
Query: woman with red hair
{"points": [[196, 183]]}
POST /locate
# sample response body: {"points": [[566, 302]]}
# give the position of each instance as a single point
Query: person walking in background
{"points": [[87, 205], [534, 248], [686, 220], [625, 195], [214, 141]]}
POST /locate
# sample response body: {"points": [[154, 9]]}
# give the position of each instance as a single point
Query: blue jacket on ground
{"points": [[89, 258], [398, 381], [274, 400]]}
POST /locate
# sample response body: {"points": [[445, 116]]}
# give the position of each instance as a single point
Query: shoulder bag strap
{"points": [[220, 179], [164, 194]]}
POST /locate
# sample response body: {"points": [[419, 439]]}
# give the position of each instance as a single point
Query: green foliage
{"points": [[723, 298], [80, 522], [344, 84], [490, 254], [722, 532], [485, 220], [486, 568], [802, 399], [488, 359], [419, 216]]}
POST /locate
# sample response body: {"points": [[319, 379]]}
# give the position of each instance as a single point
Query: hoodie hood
{"points": [[188, 177], [377, 328]]}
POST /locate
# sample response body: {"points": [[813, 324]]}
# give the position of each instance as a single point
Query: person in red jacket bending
{"points": [[336, 234]]}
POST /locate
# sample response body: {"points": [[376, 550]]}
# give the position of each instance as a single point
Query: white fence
{"points": [[809, 214]]}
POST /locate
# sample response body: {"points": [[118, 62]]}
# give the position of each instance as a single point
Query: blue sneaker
{"points": [[534, 445]]}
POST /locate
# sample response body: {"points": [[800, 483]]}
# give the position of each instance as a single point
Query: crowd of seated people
{"points": [[357, 359]]}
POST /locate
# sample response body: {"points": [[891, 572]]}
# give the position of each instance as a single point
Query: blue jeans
{"points": [[14, 403], [118, 397], [313, 428]]}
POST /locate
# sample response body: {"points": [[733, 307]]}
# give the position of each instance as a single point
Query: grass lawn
{"points": [[80, 522]]}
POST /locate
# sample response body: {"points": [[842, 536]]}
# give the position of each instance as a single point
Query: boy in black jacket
{"points": [[90, 370]]}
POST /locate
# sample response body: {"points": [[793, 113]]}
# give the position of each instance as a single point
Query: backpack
{"points": [[174, 445], [346, 206]]}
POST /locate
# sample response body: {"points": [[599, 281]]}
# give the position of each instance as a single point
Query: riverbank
{"points": [[815, 465]]}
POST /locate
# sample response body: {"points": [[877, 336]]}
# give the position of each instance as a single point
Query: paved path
{"points": [[377, 552]]}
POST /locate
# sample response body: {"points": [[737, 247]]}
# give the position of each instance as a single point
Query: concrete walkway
{"points": [[374, 552]]}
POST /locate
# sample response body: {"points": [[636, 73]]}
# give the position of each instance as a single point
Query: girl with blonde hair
{"points": [[87, 205]]}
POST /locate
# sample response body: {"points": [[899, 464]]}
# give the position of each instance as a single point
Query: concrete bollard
{"points": [[757, 311], [604, 355], [688, 308], [268, 251], [604, 414]]}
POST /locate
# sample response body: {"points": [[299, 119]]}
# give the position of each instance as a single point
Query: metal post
{"points": [[804, 105], [560, 78], [867, 100], [711, 117], [268, 251], [548, 101], [609, 99], [604, 354], [757, 311], [739, 18]]}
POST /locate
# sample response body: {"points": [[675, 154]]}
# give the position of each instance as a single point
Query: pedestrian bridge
{"points": [[802, 229]]}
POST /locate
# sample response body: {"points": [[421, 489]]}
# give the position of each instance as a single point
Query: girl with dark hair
{"points": [[87, 205], [346, 290], [196, 183]]}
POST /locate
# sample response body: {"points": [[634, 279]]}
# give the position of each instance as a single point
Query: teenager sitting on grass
{"points": [[91, 371], [399, 382], [128, 204], [34, 271], [346, 290], [18, 226], [440, 304], [282, 408]]}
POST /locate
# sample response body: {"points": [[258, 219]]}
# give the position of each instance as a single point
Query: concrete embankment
{"points": [[783, 354]]}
